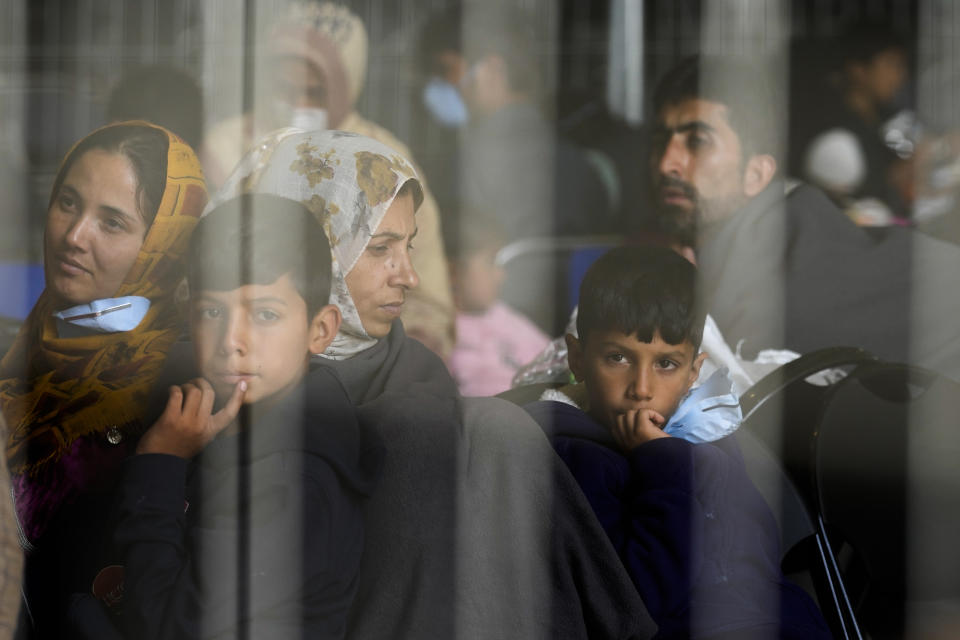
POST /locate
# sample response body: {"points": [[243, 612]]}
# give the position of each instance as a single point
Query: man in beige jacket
{"points": [[315, 69]]}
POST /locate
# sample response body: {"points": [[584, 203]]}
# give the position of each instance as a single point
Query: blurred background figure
{"points": [[835, 162], [493, 339], [854, 131], [163, 95], [313, 73], [310, 77], [510, 159], [439, 110], [514, 163]]}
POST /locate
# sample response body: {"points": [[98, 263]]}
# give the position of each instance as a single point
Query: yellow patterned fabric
{"points": [[55, 390]]}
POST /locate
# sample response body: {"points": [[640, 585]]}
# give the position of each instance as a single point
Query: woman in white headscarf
{"points": [[312, 75], [477, 529]]}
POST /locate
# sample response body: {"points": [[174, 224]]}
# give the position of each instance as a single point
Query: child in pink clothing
{"points": [[493, 340]]}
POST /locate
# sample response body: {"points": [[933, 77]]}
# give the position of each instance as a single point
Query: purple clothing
{"points": [[65, 513], [490, 347], [90, 465]]}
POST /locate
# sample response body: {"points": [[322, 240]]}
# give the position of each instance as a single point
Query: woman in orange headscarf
{"points": [[73, 386]]}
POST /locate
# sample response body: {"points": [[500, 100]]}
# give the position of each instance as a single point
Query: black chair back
{"points": [[886, 474]]}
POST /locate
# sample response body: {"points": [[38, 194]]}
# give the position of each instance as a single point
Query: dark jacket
{"points": [[281, 561], [696, 536], [794, 272]]}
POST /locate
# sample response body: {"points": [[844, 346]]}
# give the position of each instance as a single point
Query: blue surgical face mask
{"points": [[109, 315], [445, 104], [707, 413]]}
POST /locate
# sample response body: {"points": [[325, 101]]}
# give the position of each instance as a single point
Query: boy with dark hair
{"points": [[696, 536], [261, 534]]}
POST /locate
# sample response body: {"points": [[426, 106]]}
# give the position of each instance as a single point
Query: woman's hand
{"points": [[188, 422], [638, 426]]}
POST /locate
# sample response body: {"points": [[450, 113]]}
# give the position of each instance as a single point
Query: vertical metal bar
{"points": [[633, 51], [243, 441], [831, 587], [146, 31], [114, 28], [851, 627], [84, 57]]}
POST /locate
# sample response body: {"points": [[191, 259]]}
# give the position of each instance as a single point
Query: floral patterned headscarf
{"points": [[348, 182]]}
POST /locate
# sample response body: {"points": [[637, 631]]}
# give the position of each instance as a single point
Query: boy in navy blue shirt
{"points": [[241, 511], [696, 536]]}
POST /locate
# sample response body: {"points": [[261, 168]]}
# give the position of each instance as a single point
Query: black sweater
{"points": [[193, 570]]}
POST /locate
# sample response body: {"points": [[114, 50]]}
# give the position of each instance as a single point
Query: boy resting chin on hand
{"points": [[696, 536]]}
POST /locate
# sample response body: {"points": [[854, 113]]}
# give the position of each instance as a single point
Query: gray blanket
{"points": [[476, 530]]}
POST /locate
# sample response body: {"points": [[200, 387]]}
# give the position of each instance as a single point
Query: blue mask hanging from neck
{"points": [[109, 315], [445, 104], [707, 413]]}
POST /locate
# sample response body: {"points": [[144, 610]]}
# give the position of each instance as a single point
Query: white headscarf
{"points": [[348, 181]]}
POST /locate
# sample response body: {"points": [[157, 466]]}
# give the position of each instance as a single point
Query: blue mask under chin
{"points": [[707, 413], [445, 104], [109, 315]]}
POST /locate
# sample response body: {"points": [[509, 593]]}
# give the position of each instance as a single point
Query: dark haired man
{"points": [[785, 268]]}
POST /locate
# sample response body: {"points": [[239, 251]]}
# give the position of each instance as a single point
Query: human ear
{"points": [[758, 173], [323, 328], [574, 356], [695, 368]]}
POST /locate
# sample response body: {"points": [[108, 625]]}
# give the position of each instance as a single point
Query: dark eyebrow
{"points": [[392, 235], [202, 296], [693, 126], [67, 190], [387, 234], [122, 213], [610, 344], [265, 299], [65, 186], [675, 355]]}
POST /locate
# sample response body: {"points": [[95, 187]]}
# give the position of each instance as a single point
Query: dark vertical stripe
{"points": [[243, 441]]}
